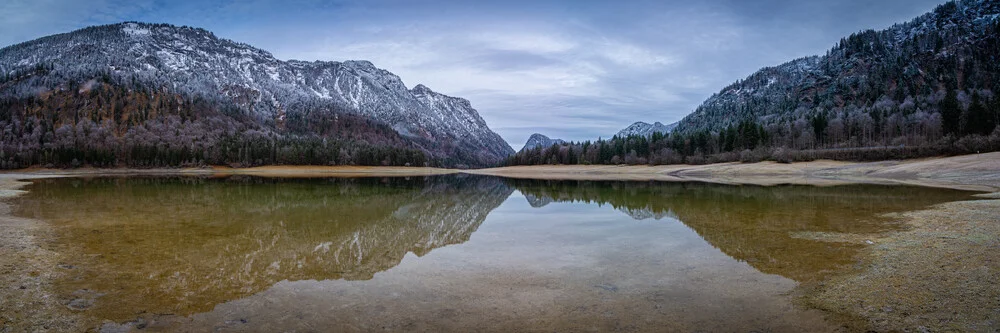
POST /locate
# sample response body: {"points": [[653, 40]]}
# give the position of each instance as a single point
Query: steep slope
{"points": [[645, 129], [457, 117], [539, 140], [874, 87], [288, 97]]}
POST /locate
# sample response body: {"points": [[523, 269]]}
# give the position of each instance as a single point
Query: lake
{"points": [[453, 253]]}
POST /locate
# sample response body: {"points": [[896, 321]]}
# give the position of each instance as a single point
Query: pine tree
{"points": [[951, 113], [995, 112], [979, 121], [819, 123]]}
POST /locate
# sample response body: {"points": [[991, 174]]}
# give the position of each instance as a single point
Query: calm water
{"points": [[452, 253]]}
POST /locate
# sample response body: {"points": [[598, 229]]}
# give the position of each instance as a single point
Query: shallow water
{"points": [[452, 253]]}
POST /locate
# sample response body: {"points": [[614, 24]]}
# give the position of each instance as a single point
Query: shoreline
{"points": [[27, 268], [938, 273], [280, 171], [978, 172]]}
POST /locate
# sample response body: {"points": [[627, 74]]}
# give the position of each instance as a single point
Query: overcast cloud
{"points": [[574, 70]]}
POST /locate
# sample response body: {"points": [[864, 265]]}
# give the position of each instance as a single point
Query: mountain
{"points": [[241, 86], [539, 140], [928, 87], [645, 129], [874, 86]]}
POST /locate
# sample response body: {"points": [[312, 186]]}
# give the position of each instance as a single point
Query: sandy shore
{"points": [[979, 172], [940, 273], [282, 171]]}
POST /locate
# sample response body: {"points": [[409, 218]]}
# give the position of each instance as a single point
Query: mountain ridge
{"points": [[915, 59], [193, 62], [645, 129]]}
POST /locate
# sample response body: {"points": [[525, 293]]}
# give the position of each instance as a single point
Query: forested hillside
{"points": [[922, 88], [142, 95], [107, 125]]}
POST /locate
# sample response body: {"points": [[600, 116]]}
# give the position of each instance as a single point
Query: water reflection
{"points": [[183, 245], [756, 224], [275, 250]]}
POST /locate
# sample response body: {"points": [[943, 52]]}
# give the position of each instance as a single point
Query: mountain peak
{"points": [[142, 29], [538, 136], [646, 129], [420, 88], [365, 64], [540, 140]]}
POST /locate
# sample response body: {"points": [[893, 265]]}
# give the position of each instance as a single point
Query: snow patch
{"points": [[133, 29], [273, 73]]}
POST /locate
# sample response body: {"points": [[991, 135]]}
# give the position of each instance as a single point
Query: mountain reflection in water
{"points": [[756, 224], [181, 246]]}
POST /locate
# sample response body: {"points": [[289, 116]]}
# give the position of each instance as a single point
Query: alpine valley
{"points": [[142, 95]]}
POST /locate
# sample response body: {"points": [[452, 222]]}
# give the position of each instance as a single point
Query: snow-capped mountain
{"points": [[539, 140], [194, 62], [646, 129]]}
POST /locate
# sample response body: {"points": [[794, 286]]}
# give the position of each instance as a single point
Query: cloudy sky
{"points": [[573, 69]]}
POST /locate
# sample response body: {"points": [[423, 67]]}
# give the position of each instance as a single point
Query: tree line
{"points": [[966, 123], [108, 125]]}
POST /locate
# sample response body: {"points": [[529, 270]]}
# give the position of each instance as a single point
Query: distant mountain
{"points": [[539, 140], [241, 86], [646, 129]]}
